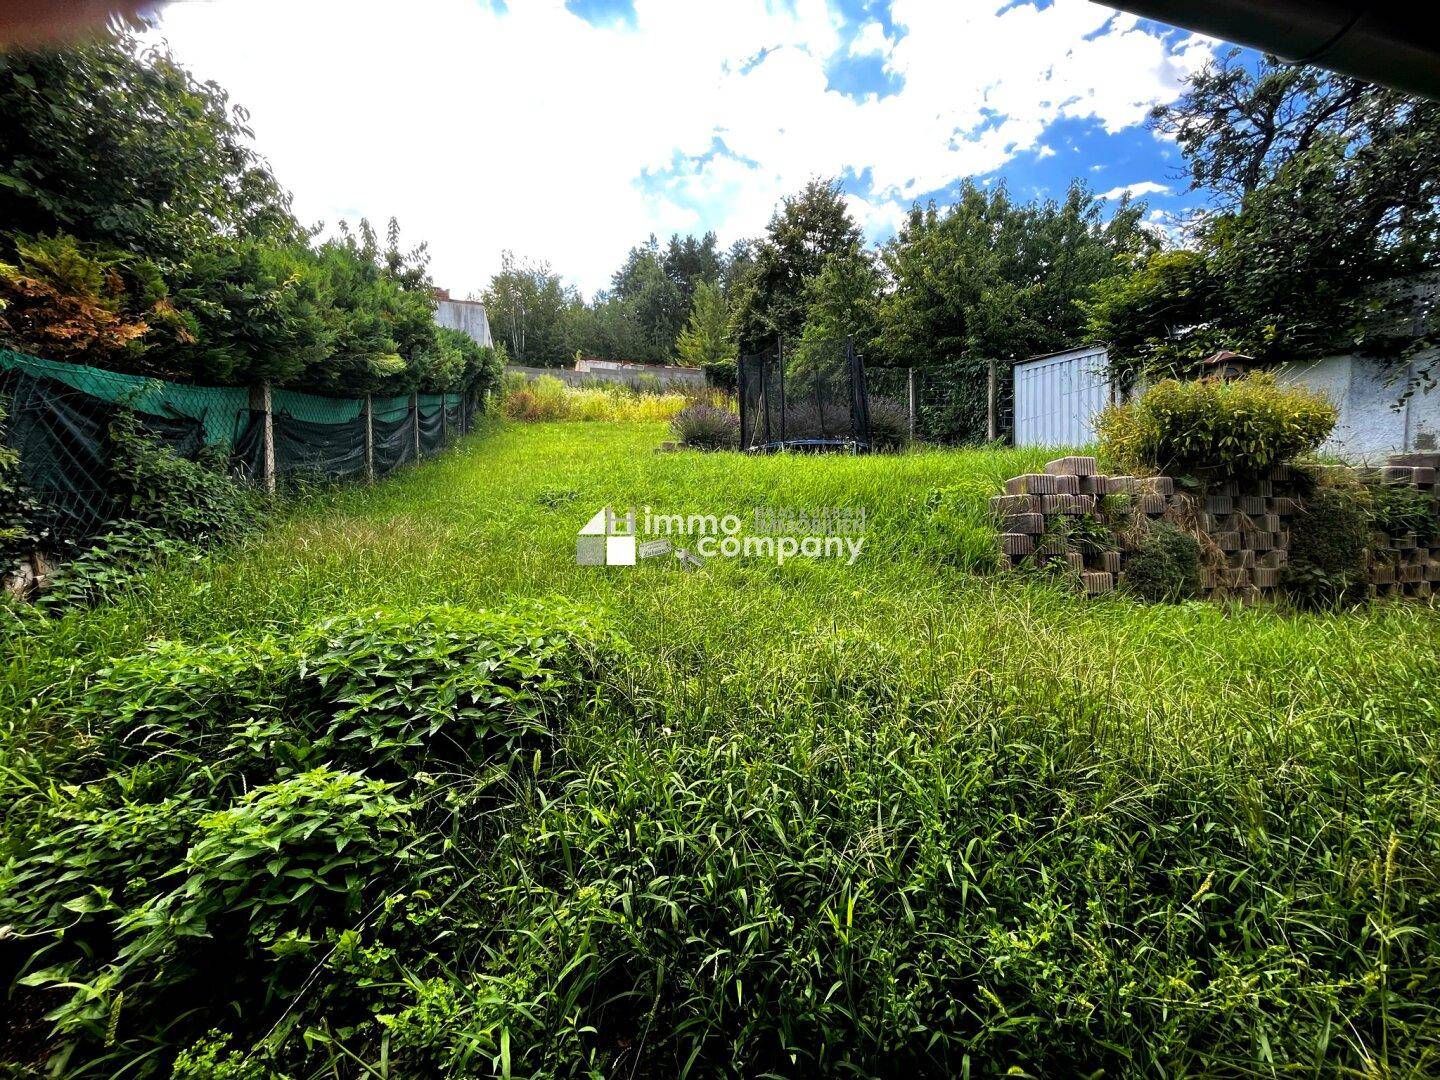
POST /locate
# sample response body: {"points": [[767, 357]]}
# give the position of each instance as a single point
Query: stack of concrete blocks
{"points": [[1249, 523], [1404, 564], [1246, 523], [1038, 512]]}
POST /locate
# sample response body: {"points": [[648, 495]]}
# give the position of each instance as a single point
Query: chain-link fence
{"points": [[952, 399], [59, 417]]}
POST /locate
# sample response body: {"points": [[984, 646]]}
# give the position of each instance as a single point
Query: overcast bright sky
{"points": [[570, 131]]}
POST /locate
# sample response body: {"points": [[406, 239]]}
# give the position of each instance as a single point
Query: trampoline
{"points": [[810, 399]]}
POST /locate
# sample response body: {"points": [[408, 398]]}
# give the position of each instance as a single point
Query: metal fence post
{"points": [[415, 421], [260, 402], [369, 440], [992, 403], [444, 417], [910, 387]]}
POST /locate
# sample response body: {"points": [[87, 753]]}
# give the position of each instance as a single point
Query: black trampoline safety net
{"points": [[808, 397]]}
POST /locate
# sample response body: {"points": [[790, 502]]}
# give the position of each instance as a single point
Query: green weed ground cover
{"points": [[891, 819]]}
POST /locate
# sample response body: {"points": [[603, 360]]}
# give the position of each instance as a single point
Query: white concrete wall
{"points": [[466, 316], [1372, 422]]}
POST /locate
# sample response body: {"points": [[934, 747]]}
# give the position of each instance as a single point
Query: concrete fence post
{"points": [[369, 440], [260, 402], [910, 388], [415, 421], [992, 402]]}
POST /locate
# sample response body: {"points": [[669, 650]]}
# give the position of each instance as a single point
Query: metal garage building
{"points": [[1058, 396]]}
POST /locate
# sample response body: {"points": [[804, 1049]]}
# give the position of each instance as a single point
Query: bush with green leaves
{"points": [[227, 815], [446, 684], [191, 500], [111, 563], [181, 702], [707, 427], [242, 890], [166, 507], [1328, 541], [1163, 566], [1212, 429], [722, 375]]}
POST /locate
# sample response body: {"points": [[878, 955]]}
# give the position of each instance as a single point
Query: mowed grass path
{"points": [[976, 817]]}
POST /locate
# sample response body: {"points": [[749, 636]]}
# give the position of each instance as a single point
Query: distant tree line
{"points": [[986, 277], [1322, 235], [139, 232]]}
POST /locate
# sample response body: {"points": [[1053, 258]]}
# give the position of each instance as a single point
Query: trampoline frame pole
{"points": [[765, 401], [780, 374], [740, 392]]}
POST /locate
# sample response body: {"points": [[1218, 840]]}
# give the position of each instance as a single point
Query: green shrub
{"points": [[707, 427], [301, 851], [722, 374], [1165, 565], [215, 864], [213, 1057], [1213, 429], [262, 881], [1328, 540], [111, 562], [95, 860], [449, 681], [167, 506], [174, 699], [190, 500]]}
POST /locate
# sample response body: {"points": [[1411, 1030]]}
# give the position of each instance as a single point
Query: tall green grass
{"points": [[898, 818]]}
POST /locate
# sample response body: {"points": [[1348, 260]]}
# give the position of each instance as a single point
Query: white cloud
{"points": [[1136, 191], [1043, 151], [871, 39], [536, 131]]}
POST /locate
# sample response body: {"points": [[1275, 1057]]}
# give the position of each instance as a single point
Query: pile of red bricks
{"points": [[1062, 519]]}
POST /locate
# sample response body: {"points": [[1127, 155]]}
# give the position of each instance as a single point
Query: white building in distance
{"points": [[467, 316]]}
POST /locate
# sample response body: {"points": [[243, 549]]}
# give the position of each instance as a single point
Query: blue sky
{"points": [[567, 130]]}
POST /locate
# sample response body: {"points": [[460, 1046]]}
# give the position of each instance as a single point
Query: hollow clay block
{"points": [[1030, 484], [1071, 466]]}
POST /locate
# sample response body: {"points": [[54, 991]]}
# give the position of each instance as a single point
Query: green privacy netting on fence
{"points": [[59, 415]]}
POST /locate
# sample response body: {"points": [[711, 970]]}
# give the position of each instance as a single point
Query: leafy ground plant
{"points": [[1164, 564], [1327, 545]]}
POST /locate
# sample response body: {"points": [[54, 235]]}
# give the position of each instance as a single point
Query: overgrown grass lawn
{"points": [[897, 818]]}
